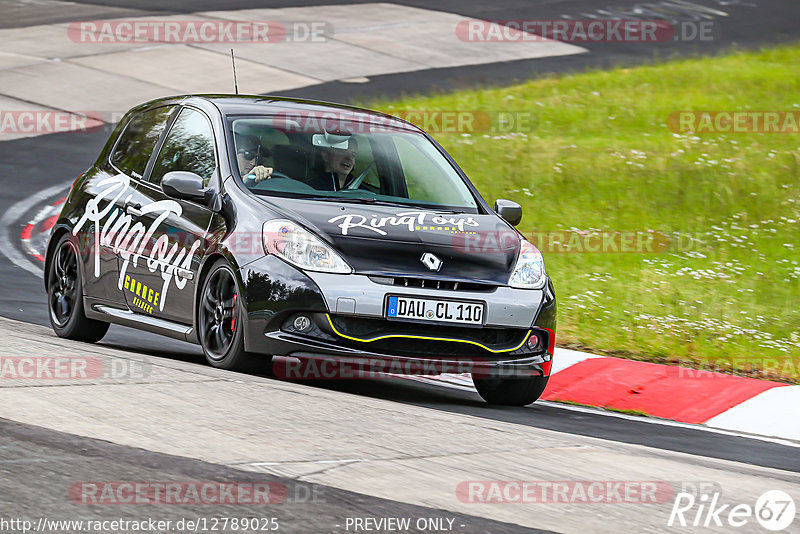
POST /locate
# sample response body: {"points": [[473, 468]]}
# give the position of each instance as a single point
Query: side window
{"points": [[189, 146], [135, 145]]}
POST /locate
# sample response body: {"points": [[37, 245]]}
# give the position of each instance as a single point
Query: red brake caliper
{"points": [[233, 320]]}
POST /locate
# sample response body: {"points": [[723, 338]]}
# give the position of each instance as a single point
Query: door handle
{"points": [[134, 209]]}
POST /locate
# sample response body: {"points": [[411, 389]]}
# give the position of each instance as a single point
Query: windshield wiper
{"points": [[362, 200]]}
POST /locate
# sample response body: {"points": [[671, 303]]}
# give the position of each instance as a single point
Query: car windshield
{"points": [[346, 160]]}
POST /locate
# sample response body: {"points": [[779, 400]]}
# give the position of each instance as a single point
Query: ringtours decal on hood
{"points": [[376, 240], [412, 220], [129, 239]]}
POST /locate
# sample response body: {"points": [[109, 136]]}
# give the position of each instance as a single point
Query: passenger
{"points": [[338, 167]]}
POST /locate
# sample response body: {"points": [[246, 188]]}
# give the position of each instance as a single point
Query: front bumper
{"points": [[349, 328]]}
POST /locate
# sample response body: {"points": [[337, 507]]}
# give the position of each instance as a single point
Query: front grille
{"points": [[431, 283], [498, 339]]}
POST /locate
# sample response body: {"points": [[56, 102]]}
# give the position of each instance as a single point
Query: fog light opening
{"points": [[533, 342], [301, 323]]}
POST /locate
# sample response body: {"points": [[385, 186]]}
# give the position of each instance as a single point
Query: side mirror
{"points": [[508, 210], [183, 185]]}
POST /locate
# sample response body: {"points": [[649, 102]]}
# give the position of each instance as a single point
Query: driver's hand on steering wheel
{"points": [[260, 173]]}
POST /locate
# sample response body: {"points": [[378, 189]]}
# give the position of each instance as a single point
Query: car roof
{"points": [[269, 104]]}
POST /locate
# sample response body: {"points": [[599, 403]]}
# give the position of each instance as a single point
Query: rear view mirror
{"points": [[331, 140], [508, 210], [183, 185]]}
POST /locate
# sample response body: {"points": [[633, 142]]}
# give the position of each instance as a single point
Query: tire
{"points": [[65, 296], [511, 391], [219, 320]]}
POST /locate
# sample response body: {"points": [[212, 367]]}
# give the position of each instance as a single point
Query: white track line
{"points": [[10, 221], [770, 409], [458, 382], [44, 213], [666, 422]]}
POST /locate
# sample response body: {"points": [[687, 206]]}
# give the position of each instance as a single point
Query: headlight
{"points": [[301, 248], [529, 271]]}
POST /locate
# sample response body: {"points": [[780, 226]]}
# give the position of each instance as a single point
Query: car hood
{"points": [[390, 240]]}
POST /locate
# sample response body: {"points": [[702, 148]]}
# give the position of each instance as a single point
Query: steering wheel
{"points": [[274, 174], [281, 182]]}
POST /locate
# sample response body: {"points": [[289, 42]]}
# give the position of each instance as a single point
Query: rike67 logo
{"points": [[774, 510]]}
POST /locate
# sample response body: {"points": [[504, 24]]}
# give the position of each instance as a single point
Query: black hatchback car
{"points": [[261, 226]]}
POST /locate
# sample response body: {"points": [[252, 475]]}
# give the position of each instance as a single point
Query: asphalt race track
{"points": [[734, 22], [316, 507], [36, 463]]}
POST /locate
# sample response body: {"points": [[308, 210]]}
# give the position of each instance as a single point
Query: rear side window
{"points": [[135, 145], [189, 146]]}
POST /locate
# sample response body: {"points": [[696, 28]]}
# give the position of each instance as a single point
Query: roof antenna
{"points": [[235, 84]]}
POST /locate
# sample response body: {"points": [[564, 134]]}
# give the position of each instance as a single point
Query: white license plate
{"points": [[446, 311]]}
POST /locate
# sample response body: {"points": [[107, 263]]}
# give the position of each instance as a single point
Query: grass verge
{"points": [[722, 290]]}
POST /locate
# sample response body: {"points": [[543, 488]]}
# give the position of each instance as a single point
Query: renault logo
{"points": [[431, 262]]}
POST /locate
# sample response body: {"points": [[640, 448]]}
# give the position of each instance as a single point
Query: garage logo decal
{"points": [[144, 297]]}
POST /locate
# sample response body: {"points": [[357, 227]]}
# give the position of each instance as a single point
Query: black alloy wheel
{"points": [[65, 296]]}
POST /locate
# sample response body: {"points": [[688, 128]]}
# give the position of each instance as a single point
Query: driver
{"points": [[248, 150], [338, 167]]}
